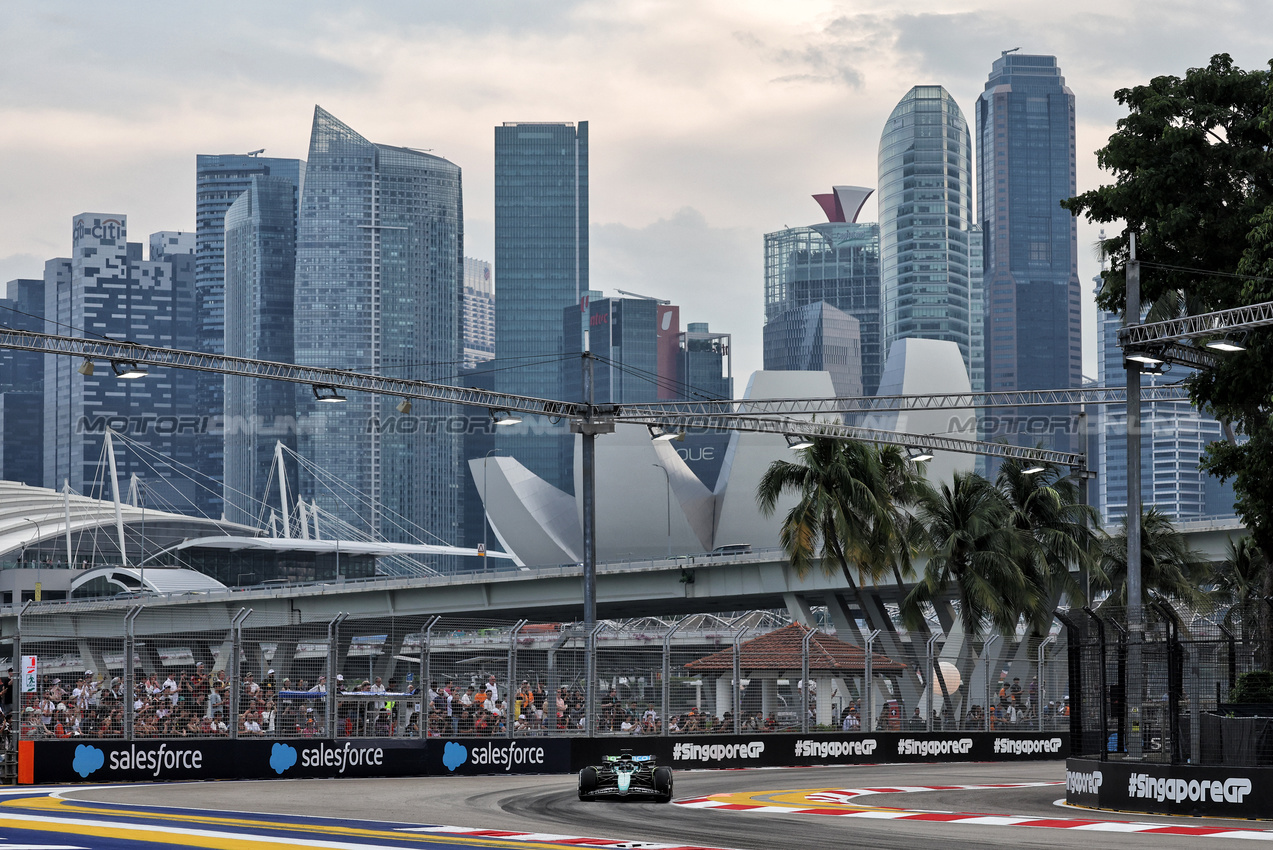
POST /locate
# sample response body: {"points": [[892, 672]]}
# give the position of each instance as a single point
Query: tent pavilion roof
{"points": [[780, 650]]}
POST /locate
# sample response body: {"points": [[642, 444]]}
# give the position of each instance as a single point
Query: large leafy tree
{"points": [[850, 513], [1193, 179]]}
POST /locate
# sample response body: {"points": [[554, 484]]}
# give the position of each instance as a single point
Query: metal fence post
{"points": [[510, 701], [1038, 692], [422, 715], [804, 681], [236, 674], [928, 681], [738, 682], [986, 643], [868, 677], [666, 706], [1101, 710], [15, 681], [329, 698], [590, 687], [130, 672]]}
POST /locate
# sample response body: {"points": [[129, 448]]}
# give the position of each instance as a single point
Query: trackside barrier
{"points": [[110, 761], [1227, 792]]}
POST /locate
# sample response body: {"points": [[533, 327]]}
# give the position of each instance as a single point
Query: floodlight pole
{"points": [[595, 421], [1135, 607]]}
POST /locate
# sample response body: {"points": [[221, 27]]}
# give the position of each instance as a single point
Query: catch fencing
{"points": [[150, 673], [1172, 698]]}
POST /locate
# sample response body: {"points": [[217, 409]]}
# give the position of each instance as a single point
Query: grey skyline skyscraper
{"points": [[379, 288], [479, 312], [219, 181], [541, 263], [106, 288], [22, 387], [925, 196], [817, 338], [1025, 167], [260, 277]]}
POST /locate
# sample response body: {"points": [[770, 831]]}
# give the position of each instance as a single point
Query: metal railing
{"points": [[147, 677]]}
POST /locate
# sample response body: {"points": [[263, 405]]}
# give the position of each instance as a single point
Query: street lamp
{"points": [[127, 370], [667, 476]]}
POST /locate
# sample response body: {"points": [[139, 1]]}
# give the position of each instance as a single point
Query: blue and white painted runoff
{"points": [[43, 819]]}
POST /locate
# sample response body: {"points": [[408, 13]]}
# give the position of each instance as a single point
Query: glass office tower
{"points": [[219, 181], [541, 261], [834, 262], [1025, 167], [926, 223], [260, 276], [379, 288]]}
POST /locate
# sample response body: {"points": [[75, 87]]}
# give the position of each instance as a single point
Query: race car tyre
{"points": [[587, 783], [663, 784]]}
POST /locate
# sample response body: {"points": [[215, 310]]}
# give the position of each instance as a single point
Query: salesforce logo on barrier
{"points": [[454, 755], [717, 752], [87, 760], [490, 755], [1083, 783], [1145, 787], [831, 749], [155, 761], [939, 747], [1019, 747], [342, 757], [282, 757]]}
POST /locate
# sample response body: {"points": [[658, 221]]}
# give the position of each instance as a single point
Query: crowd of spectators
{"points": [[196, 703]]}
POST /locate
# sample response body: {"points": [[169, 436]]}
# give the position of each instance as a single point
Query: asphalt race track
{"points": [[547, 804]]}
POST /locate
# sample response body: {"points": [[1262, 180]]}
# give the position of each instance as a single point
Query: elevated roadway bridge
{"points": [[694, 584]]}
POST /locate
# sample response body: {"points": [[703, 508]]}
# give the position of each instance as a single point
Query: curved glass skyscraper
{"points": [[379, 288], [931, 289]]}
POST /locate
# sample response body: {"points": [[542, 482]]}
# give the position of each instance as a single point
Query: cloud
{"points": [[714, 273], [16, 266]]}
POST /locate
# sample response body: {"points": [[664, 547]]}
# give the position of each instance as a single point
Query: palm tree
{"points": [[1242, 581], [974, 549], [850, 509], [1056, 530], [1168, 566]]}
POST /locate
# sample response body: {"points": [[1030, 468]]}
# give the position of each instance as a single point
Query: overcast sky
{"points": [[711, 122]]}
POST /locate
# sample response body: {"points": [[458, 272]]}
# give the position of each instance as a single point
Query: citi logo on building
{"points": [[105, 228]]}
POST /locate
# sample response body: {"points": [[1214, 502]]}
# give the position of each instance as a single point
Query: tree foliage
{"points": [[1193, 179], [850, 513], [1168, 567]]}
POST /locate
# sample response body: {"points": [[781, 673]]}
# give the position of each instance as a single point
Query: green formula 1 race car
{"points": [[626, 777]]}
